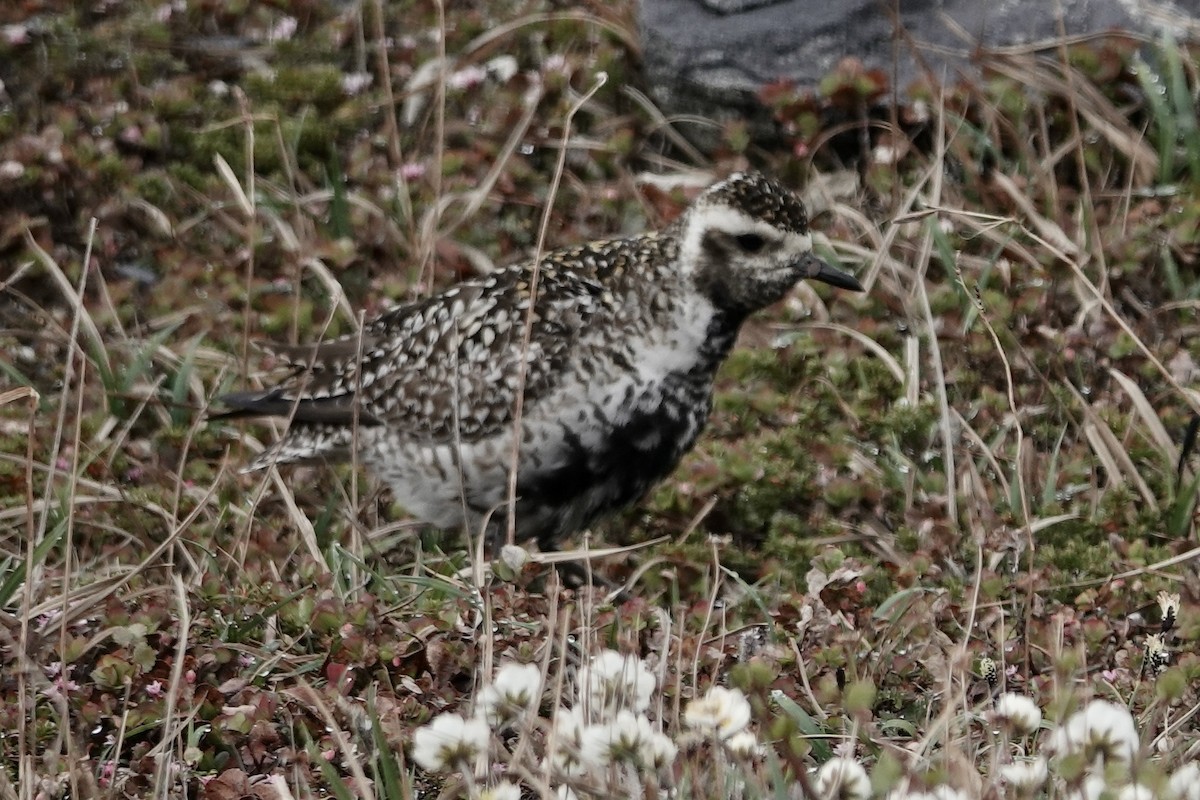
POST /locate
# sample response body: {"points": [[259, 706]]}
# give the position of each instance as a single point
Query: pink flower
{"points": [[60, 688], [14, 34], [412, 171]]}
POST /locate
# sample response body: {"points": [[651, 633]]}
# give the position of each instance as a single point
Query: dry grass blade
{"points": [[1045, 75], [18, 394], [590, 553], [921, 297], [880, 352], [1038, 525], [911, 381], [900, 268], [543, 229], [308, 534], [667, 125], [478, 196], [91, 492], [1192, 400], [343, 740], [333, 288], [628, 37], [1154, 427], [72, 298], [1108, 449], [1045, 228], [172, 729], [1150, 569], [234, 186], [85, 599]]}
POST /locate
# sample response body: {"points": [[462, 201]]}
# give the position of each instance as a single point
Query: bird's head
{"points": [[746, 242]]}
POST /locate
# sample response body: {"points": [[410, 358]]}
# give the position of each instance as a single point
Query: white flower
{"points": [[658, 749], [743, 744], [1018, 712], [516, 690], [1185, 783], [574, 747], [283, 29], [611, 681], [566, 741], [466, 77], [1135, 791], [622, 739], [1092, 788], [945, 792], [904, 791], [843, 779], [906, 795], [568, 724], [355, 82], [502, 68], [721, 712], [1025, 776], [501, 791], [1102, 730], [449, 742], [884, 154], [11, 170]]}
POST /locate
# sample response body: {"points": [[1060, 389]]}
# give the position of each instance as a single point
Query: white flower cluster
{"points": [[1017, 713], [609, 726], [940, 792], [1102, 737], [723, 714], [604, 737], [451, 742], [845, 779], [1102, 732]]}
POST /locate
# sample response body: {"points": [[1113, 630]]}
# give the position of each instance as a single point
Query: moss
{"points": [[153, 187], [789, 545], [1075, 548], [1122, 346]]}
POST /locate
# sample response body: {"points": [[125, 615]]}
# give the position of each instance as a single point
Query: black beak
{"points": [[816, 269]]}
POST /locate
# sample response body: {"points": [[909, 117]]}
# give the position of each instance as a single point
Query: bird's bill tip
{"points": [[818, 270]]}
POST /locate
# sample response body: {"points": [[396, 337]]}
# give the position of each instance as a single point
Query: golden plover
{"points": [[615, 377]]}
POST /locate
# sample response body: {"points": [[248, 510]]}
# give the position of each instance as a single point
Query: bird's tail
{"points": [[306, 444], [321, 429]]}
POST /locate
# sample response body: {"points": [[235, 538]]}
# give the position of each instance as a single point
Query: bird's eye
{"points": [[750, 242]]}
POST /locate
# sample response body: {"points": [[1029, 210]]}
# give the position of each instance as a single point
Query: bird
{"points": [[591, 369]]}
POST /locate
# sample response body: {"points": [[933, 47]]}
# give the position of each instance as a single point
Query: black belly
{"points": [[631, 459]]}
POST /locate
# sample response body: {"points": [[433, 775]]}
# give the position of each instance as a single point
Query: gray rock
{"points": [[710, 57]]}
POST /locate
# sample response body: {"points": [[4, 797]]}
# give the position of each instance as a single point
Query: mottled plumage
{"points": [[616, 381]]}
